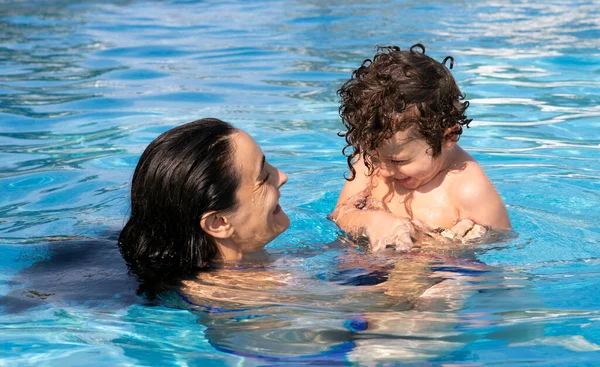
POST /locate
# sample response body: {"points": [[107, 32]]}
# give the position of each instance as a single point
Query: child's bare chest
{"points": [[431, 206]]}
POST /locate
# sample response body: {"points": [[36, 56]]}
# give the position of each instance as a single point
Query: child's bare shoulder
{"points": [[467, 179], [475, 196]]}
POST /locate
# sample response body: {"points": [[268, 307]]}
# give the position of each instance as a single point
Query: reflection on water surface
{"points": [[85, 87]]}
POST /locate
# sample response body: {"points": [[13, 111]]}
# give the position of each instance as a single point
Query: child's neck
{"points": [[450, 158]]}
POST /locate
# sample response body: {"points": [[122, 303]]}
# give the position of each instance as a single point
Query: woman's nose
{"points": [[282, 177]]}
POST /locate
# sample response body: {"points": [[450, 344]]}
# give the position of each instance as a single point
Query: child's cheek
{"points": [[385, 171]]}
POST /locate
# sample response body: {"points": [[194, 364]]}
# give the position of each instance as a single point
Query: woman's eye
{"points": [[266, 178], [394, 161]]}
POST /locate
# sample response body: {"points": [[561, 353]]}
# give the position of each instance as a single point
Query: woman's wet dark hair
{"points": [[184, 173], [397, 90]]}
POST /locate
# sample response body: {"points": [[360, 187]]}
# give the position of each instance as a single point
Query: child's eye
{"points": [[398, 161]]}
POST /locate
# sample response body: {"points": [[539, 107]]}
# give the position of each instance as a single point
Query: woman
{"points": [[201, 192]]}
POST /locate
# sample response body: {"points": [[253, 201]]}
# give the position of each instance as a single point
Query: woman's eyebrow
{"points": [[262, 168]]}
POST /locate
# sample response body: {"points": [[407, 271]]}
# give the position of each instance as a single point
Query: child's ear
{"points": [[451, 135], [216, 225]]}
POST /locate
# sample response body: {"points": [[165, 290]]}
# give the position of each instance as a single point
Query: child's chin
{"points": [[407, 183]]}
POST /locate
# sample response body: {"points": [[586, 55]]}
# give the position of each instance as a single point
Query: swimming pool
{"points": [[85, 87]]}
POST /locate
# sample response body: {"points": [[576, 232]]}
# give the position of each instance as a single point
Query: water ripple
{"points": [[85, 87]]}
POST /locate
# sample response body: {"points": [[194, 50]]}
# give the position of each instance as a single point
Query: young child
{"points": [[404, 115]]}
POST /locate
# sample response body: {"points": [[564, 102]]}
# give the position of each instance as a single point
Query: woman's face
{"points": [[258, 218]]}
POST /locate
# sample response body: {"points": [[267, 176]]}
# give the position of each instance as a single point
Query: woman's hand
{"points": [[386, 230]]}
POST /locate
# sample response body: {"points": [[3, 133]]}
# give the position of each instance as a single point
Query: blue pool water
{"points": [[84, 87]]}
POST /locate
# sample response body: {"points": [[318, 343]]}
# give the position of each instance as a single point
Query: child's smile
{"points": [[406, 160]]}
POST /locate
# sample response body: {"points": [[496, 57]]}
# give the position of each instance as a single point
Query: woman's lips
{"points": [[277, 209]]}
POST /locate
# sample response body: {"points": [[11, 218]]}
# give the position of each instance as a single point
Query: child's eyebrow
{"points": [[395, 158]]}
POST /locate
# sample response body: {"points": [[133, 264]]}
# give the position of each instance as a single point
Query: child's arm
{"points": [[381, 228], [480, 201]]}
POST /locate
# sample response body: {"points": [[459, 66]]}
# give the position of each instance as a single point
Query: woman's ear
{"points": [[216, 225]]}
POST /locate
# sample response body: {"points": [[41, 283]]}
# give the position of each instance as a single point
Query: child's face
{"points": [[406, 160]]}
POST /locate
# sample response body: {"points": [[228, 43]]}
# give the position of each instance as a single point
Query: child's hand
{"points": [[389, 231], [464, 231], [467, 230]]}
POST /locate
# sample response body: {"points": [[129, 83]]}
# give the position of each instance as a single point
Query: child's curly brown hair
{"points": [[397, 90]]}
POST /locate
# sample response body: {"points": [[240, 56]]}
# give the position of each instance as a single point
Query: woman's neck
{"points": [[229, 252]]}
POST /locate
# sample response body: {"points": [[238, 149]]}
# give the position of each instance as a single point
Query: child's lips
{"points": [[402, 181]]}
